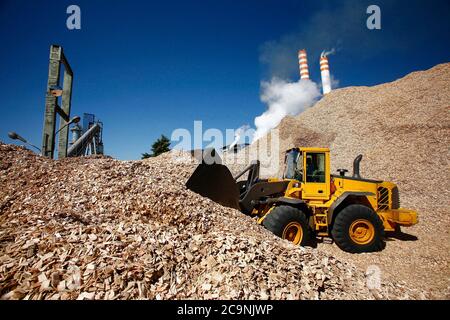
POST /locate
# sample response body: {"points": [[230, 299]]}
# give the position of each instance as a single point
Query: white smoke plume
{"points": [[240, 133], [284, 98], [237, 137], [328, 53], [334, 82]]}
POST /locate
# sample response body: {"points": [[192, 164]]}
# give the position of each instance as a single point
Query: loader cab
{"points": [[311, 167]]}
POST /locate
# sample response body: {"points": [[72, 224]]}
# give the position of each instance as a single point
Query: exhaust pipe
{"points": [[356, 167]]}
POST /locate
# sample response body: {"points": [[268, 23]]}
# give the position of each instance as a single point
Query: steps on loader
{"points": [[321, 222]]}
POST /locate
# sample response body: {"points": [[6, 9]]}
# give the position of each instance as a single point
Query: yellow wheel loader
{"points": [[308, 201]]}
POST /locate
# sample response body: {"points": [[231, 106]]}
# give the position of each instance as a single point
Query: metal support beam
{"points": [[66, 64], [48, 141], [63, 138], [62, 114], [51, 104]]}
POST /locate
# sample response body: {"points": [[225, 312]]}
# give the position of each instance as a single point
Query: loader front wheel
{"points": [[358, 229], [288, 223]]}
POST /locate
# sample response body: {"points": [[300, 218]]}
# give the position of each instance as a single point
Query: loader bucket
{"points": [[214, 181]]}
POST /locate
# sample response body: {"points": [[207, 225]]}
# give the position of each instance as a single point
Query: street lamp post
{"points": [[13, 135], [75, 119]]}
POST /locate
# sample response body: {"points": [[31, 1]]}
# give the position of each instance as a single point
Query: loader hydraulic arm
{"points": [[252, 178]]}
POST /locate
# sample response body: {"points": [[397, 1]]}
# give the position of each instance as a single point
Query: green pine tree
{"points": [[159, 146], [146, 155]]}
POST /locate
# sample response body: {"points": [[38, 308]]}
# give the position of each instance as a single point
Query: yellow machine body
{"points": [[324, 197], [309, 201]]}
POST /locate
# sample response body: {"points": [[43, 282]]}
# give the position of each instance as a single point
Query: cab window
{"points": [[315, 167], [294, 164]]}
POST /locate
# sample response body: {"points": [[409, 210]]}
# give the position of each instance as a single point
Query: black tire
{"points": [[282, 216], [352, 214]]}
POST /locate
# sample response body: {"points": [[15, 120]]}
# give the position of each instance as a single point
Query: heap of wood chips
{"points": [[99, 228], [402, 129]]}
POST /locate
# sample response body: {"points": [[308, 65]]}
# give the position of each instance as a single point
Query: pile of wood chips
{"points": [[402, 129], [99, 228]]}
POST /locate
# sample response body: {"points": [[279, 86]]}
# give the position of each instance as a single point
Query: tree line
{"points": [[160, 146]]}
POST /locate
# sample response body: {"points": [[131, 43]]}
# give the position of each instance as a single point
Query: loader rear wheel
{"points": [[288, 223], [358, 229]]}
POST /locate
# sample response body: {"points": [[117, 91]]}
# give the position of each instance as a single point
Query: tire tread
{"points": [[281, 216], [342, 222]]}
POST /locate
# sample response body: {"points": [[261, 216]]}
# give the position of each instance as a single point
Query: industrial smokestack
{"points": [[76, 133], [325, 73], [303, 64]]}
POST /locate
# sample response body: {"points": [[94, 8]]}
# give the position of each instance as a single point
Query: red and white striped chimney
{"points": [[303, 64], [325, 73]]}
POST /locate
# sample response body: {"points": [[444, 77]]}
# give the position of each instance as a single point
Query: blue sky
{"points": [[146, 68]]}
